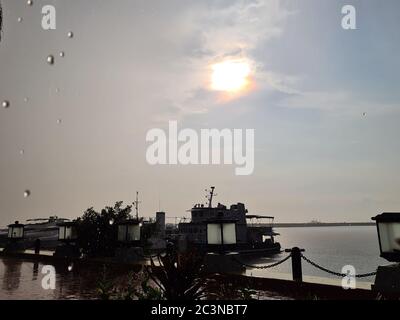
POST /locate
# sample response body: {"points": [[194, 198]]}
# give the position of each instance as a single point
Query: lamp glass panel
{"points": [[122, 233], [214, 233], [229, 231], [10, 232], [18, 232], [133, 232], [74, 233], [61, 232], [389, 236], [68, 233]]}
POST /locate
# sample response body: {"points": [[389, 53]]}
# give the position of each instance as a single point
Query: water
{"points": [[332, 247], [23, 280]]}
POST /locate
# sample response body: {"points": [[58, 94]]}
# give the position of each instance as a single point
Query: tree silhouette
{"points": [[98, 230]]}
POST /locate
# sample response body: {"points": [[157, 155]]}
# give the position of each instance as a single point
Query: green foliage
{"points": [[105, 287], [147, 291], [179, 276], [97, 236]]}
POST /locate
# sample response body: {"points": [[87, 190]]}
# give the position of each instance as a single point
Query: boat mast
{"points": [[210, 197], [136, 204]]}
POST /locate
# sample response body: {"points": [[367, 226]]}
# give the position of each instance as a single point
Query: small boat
{"points": [[45, 229]]}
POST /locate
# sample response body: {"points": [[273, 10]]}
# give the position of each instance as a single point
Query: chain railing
{"points": [[291, 255], [262, 267], [314, 264], [338, 274]]}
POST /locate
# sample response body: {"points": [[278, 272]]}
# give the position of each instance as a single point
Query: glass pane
{"points": [[121, 233], [229, 231], [390, 236], [133, 233], [214, 233], [61, 233]]}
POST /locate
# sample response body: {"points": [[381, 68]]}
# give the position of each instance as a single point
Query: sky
{"points": [[323, 101]]}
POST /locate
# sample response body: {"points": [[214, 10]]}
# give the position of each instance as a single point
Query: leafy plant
{"points": [[105, 287], [179, 276], [147, 291]]}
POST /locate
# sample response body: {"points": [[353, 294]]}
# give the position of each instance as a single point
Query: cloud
{"points": [[212, 31]]}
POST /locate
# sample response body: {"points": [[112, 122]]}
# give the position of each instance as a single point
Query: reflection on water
{"points": [[12, 275], [23, 280]]}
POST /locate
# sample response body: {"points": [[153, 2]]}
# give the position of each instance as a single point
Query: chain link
{"points": [[261, 267], [338, 274]]}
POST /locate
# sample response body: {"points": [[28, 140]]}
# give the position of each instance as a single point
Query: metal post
{"points": [[37, 246], [296, 263]]}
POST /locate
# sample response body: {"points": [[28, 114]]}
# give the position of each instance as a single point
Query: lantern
{"points": [[129, 231], [388, 226], [16, 231], [221, 232], [67, 232]]}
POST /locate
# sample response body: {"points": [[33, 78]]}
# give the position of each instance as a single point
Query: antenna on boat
{"points": [[136, 204], [210, 196]]}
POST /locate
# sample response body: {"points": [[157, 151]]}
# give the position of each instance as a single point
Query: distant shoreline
{"points": [[323, 224]]}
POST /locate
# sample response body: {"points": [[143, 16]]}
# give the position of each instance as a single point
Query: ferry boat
{"points": [[213, 229], [45, 229]]}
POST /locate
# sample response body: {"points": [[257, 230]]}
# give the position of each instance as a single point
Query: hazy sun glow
{"points": [[230, 76]]}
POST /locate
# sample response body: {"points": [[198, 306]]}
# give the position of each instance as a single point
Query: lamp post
{"points": [[221, 235], [388, 277], [67, 235], [130, 239], [15, 236]]}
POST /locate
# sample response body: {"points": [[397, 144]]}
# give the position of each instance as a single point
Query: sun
{"points": [[230, 76]]}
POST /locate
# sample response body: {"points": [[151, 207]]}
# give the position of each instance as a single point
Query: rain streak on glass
{"points": [[50, 59], [5, 104], [27, 193]]}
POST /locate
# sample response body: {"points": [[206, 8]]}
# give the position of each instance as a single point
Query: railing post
{"points": [[37, 246], [296, 263]]}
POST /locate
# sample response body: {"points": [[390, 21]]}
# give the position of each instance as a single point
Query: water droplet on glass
{"points": [[57, 90], [111, 222], [62, 54], [29, 2], [27, 193], [59, 121], [5, 104], [19, 19], [26, 99], [50, 59], [364, 114], [21, 152], [70, 267], [70, 34]]}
